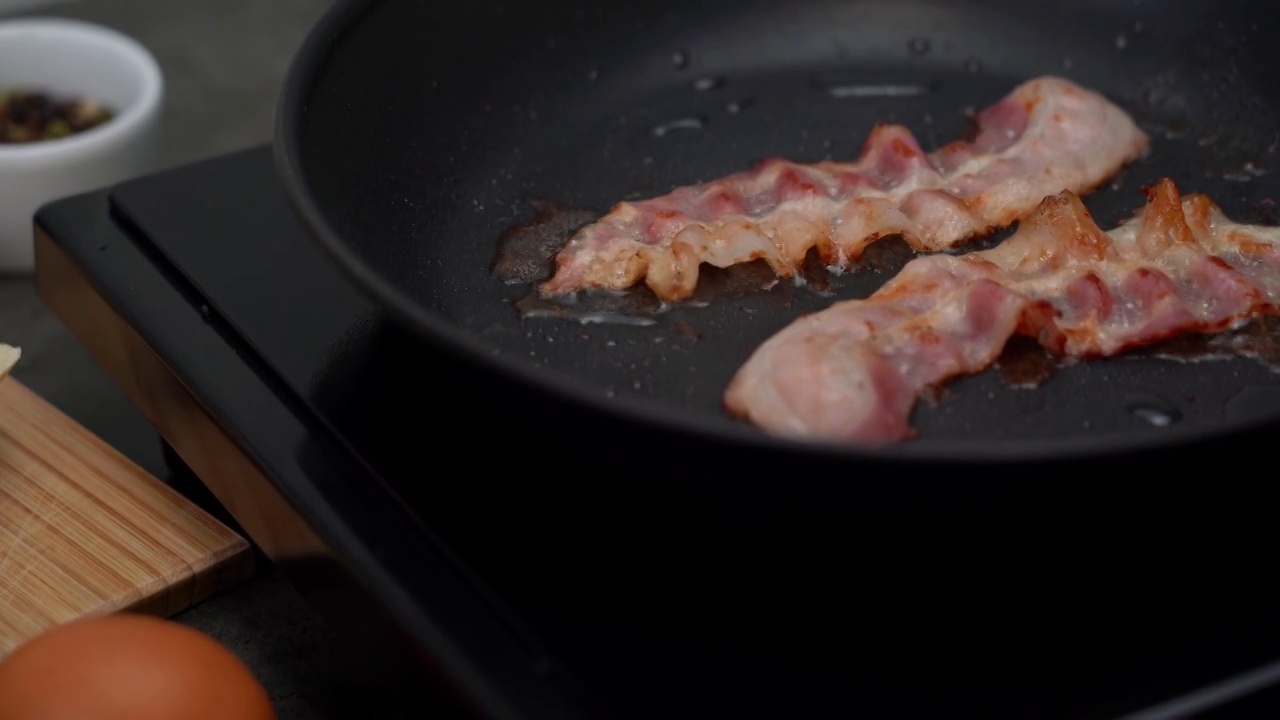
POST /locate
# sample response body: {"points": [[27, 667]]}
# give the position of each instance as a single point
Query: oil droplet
{"points": [[1121, 41], [602, 318], [680, 59], [593, 74], [1246, 173], [689, 123], [737, 106], [919, 46], [707, 83], [841, 92], [973, 65], [1067, 63], [1152, 409]]}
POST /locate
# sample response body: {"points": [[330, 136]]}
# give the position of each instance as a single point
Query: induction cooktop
{"points": [[523, 585]]}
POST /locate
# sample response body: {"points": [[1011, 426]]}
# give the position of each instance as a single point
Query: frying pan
{"points": [[413, 136]]}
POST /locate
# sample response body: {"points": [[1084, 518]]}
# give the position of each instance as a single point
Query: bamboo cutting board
{"points": [[84, 531]]}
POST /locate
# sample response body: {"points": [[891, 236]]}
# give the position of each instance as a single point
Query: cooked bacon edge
{"points": [[1047, 136], [851, 373]]}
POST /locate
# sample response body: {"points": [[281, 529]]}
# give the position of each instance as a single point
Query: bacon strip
{"points": [[852, 373], [1048, 135]]}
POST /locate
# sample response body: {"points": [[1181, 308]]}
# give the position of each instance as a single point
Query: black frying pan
{"points": [[413, 134]]}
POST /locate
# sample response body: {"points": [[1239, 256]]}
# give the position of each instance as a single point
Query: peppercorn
{"points": [[27, 116]]}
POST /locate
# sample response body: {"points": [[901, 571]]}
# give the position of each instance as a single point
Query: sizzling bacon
{"points": [[852, 373], [1048, 135]]}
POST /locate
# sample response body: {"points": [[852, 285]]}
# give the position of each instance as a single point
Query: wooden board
{"points": [[84, 531]]}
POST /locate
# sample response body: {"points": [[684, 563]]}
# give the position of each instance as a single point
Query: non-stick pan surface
{"points": [[413, 134]]}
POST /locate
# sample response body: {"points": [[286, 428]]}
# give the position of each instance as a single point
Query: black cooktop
{"points": [[558, 591]]}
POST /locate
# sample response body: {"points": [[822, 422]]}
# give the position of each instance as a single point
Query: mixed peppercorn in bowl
{"points": [[33, 116]]}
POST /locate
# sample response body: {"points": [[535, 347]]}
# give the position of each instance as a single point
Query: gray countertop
{"points": [[223, 62]]}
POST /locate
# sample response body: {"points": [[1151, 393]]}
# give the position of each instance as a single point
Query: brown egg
{"points": [[128, 666]]}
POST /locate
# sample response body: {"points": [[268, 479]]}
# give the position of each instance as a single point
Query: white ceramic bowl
{"points": [[73, 59]]}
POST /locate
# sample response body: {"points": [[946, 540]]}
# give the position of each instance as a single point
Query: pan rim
{"points": [[443, 335]]}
